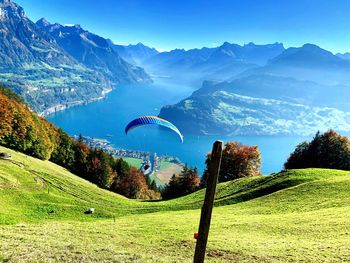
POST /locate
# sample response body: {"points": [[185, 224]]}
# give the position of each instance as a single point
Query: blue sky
{"points": [[166, 24]]}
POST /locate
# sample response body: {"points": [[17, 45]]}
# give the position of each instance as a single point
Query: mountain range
{"points": [[94, 52], [53, 66], [225, 61]]}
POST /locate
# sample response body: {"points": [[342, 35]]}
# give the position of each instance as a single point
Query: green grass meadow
{"points": [[293, 216], [133, 161]]}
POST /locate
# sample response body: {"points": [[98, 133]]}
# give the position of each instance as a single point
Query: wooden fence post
{"points": [[204, 225]]}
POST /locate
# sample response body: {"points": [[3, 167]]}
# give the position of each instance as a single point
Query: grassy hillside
{"points": [[299, 215]]}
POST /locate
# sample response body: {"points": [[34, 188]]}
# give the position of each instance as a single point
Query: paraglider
{"points": [[146, 120]]}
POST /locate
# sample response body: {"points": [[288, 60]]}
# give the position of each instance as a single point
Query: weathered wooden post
{"points": [[204, 225]]}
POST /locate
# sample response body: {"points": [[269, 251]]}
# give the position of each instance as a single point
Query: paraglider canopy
{"points": [[146, 120]]}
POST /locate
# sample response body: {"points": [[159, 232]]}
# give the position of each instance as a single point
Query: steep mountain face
{"points": [[22, 42], [134, 54], [94, 52], [211, 63], [308, 62], [38, 69]]}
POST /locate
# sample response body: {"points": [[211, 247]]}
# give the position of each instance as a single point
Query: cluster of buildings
{"points": [[149, 165]]}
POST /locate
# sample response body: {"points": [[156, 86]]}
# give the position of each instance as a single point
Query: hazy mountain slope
{"points": [[308, 62], [37, 68], [221, 62], [344, 55], [94, 52], [249, 53], [134, 54]]}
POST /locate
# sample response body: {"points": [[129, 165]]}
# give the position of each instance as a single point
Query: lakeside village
{"points": [[149, 164]]}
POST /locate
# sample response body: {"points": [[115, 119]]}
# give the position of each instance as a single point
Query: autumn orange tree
{"points": [[133, 185], [22, 129], [327, 150], [237, 161]]}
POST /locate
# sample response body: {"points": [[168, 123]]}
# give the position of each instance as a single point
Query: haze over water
{"points": [[107, 119]]}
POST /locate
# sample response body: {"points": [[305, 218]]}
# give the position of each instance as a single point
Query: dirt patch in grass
{"points": [[165, 174], [231, 256]]}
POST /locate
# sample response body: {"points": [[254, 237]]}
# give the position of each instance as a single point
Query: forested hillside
{"points": [[24, 131]]}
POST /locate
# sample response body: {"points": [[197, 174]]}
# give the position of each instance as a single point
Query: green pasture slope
{"points": [[133, 162], [295, 216]]}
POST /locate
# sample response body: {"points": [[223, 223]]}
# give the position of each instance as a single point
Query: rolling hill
{"points": [[296, 215]]}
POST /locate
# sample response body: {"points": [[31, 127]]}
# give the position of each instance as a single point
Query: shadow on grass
{"points": [[256, 189]]}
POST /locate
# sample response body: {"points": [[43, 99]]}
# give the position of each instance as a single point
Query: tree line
{"points": [[327, 150]]}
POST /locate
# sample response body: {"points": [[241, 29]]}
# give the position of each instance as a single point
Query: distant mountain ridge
{"points": [[344, 55], [134, 54], [249, 53], [220, 62], [309, 62]]}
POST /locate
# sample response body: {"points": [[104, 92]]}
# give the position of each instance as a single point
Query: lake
{"points": [[107, 119]]}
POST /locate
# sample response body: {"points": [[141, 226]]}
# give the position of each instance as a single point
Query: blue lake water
{"points": [[110, 116]]}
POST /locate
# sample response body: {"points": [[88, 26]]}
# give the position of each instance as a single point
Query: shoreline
{"points": [[62, 107]]}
